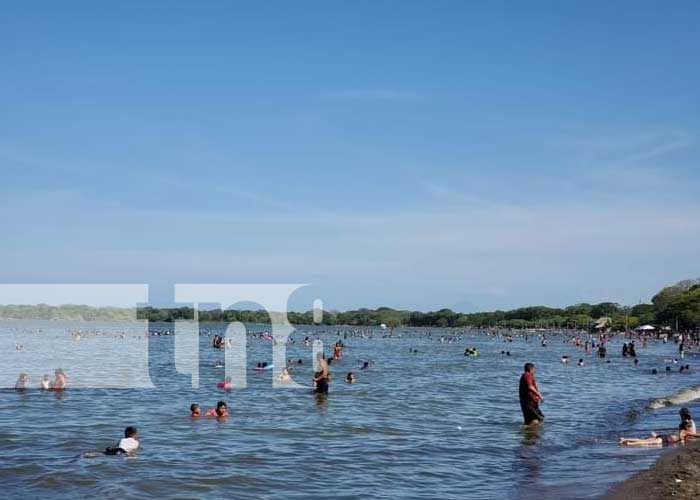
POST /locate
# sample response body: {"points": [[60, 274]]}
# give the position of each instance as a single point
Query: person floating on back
{"points": [[684, 433], [530, 396]]}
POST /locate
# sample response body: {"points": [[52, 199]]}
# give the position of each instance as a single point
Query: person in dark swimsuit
{"points": [[321, 376]]}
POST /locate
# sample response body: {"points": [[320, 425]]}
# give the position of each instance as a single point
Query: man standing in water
{"points": [[530, 396]]}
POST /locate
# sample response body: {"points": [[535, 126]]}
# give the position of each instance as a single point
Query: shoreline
{"points": [[675, 473]]}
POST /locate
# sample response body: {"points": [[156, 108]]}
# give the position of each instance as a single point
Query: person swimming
{"points": [[350, 378], [365, 365], [217, 342], [45, 383], [128, 444], [580, 362], [221, 410], [195, 411], [564, 360], [226, 385], [285, 377], [219, 364]]}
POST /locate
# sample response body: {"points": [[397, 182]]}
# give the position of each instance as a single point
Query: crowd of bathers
{"points": [[530, 395]]}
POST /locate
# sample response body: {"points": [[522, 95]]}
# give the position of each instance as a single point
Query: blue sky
{"points": [[410, 154]]}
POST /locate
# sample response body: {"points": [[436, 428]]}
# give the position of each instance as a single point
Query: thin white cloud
{"points": [[370, 94]]}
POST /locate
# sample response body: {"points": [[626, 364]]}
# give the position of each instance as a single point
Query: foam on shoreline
{"points": [[678, 398]]}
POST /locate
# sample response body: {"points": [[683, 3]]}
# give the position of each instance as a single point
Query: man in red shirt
{"points": [[530, 396]]}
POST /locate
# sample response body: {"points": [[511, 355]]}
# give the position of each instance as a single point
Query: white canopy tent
{"points": [[645, 328]]}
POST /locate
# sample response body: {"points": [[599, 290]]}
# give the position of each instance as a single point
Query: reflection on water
{"points": [[415, 425]]}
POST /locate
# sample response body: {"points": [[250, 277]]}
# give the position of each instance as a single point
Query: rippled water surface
{"points": [[432, 424]]}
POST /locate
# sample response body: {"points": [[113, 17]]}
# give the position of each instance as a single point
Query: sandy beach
{"points": [[675, 474]]}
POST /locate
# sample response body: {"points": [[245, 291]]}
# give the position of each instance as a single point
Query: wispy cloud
{"points": [[370, 94]]}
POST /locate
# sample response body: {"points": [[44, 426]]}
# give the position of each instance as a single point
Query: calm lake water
{"points": [[432, 424]]}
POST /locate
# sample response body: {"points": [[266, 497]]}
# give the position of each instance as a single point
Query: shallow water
{"points": [[426, 425]]}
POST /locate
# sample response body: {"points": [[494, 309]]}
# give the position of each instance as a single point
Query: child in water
{"points": [[195, 411], [350, 378]]}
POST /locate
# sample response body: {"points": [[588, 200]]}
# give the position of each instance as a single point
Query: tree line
{"points": [[676, 306]]}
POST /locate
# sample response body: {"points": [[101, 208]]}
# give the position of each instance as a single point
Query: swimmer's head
{"points": [[221, 408], [685, 414], [194, 410], [131, 432], [529, 368]]}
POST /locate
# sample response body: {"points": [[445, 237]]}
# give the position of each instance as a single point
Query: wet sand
{"points": [[675, 474]]}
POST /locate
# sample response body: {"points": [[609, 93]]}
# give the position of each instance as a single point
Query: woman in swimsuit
{"points": [[655, 439], [321, 376]]}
